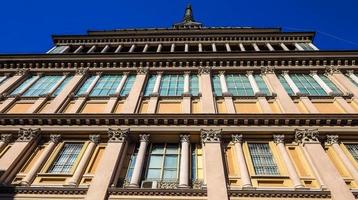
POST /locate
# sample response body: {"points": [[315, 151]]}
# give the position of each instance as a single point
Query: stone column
{"points": [[139, 162], [321, 82], [4, 140], [186, 103], [154, 97], [207, 98], [77, 175], [333, 141], [184, 161], [295, 178], [244, 173], [31, 175], [290, 82], [327, 171], [108, 163], [265, 107], [253, 83], [223, 84], [229, 104], [10, 159], [284, 99], [133, 98], [214, 172], [112, 102]]}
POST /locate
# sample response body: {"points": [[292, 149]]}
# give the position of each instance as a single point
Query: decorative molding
{"points": [[210, 136], [6, 138], [117, 135], [332, 139], [267, 70], [332, 69], [236, 138], [142, 70], [43, 190], [95, 138], [144, 137], [279, 139], [157, 192], [198, 184], [26, 135], [82, 71], [204, 70], [185, 138], [306, 136], [168, 185], [21, 72], [349, 72], [282, 194], [55, 138]]}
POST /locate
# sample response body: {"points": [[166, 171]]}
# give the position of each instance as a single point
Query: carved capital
{"points": [[55, 138], [236, 138], [349, 72], [185, 138], [332, 139], [313, 72], [210, 136], [144, 137], [117, 135], [95, 138], [306, 136], [267, 70], [204, 70], [21, 72], [142, 70], [248, 73], [221, 73], [332, 70], [6, 138], [26, 135], [277, 139], [82, 71]]}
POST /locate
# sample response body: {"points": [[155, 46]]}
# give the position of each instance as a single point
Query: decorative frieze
{"points": [[332, 139], [82, 71], [168, 185], [267, 70], [117, 135], [306, 136], [210, 136], [332, 69], [26, 135]]}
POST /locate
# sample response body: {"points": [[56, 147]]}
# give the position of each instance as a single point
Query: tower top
{"points": [[188, 21]]}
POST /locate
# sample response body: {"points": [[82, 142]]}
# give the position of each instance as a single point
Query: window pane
{"points": [[128, 86], [307, 85], [62, 86], [171, 85], [85, 86], [42, 86], [153, 174], [171, 161], [262, 159], [216, 85], [353, 149], [285, 85], [239, 85], [261, 84], [66, 158], [170, 174], [330, 84], [106, 85], [172, 149], [194, 85], [155, 161], [157, 149], [150, 85], [23, 85]]}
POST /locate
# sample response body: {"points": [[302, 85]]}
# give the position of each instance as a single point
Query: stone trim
{"points": [[236, 138], [43, 190], [55, 138], [95, 138], [26, 135], [157, 192], [280, 194], [144, 137], [185, 138], [117, 135]]}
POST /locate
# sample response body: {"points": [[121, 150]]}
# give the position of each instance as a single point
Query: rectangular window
{"points": [[353, 149], [66, 158], [285, 85], [23, 85], [42, 86], [262, 159], [172, 85], [163, 161], [106, 85], [194, 85], [62, 86], [306, 46], [330, 84], [307, 85], [150, 85], [239, 85], [58, 49], [85, 85], [127, 86], [261, 84], [216, 85], [131, 165], [196, 162]]}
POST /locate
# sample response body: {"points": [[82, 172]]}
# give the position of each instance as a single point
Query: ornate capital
{"points": [[144, 137], [26, 135], [349, 72], [236, 138], [187, 73], [81, 71], [279, 139], [313, 72], [142, 70], [117, 135], [209, 136], [185, 138], [21, 72], [95, 138], [204, 70], [6, 138], [332, 70], [221, 73], [306, 136], [267, 70], [332, 139], [55, 138], [284, 72], [249, 73]]}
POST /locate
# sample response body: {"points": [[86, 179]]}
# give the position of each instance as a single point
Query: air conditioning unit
{"points": [[150, 184]]}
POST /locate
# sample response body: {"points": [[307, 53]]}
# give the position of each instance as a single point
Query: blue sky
{"points": [[27, 25]]}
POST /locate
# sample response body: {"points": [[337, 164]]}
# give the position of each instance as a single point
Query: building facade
{"points": [[188, 112]]}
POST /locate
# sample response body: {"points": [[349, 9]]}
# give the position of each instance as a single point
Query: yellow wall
{"points": [[247, 107], [69, 107], [119, 107], [196, 107], [328, 107], [169, 107], [20, 107], [221, 106], [275, 107], [301, 107], [143, 107], [93, 107]]}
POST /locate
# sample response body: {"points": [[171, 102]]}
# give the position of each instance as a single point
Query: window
{"points": [[66, 158], [216, 85], [196, 162], [163, 161], [353, 149], [353, 81], [239, 85], [194, 85], [330, 84], [172, 85], [285, 85], [262, 159], [127, 85], [62, 86], [23, 85], [261, 84], [58, 49], [306, 46], [85, 86], [106, 85], [307, 85], [42, 86], [131, 165], [150, 85], [2, 79]]}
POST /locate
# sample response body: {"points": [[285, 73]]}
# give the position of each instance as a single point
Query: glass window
{"points": [[85, 86], [128, 85], [307, 85], [239, 85], [42, 86], [150, 85], [262, 159], [285, 85], [196, 162], [172, 85], [106, 85], [353, 80], [261, 84], [216, 85], [23, 85], [62, 85], [306, 46], [58, 49], [353, 149], [194, 85], [330, 84], [163, 161], [131, 165], [66, 158]]}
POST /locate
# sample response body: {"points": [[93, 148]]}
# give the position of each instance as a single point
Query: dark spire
{"points": [[188, 21]]}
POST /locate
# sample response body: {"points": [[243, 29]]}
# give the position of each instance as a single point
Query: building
{"points": [[188, 112]]}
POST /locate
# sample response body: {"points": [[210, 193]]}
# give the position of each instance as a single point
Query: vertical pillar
{"points": [[94, 140], [30, 176], [329, 174], [132, 48], [242, 48], [118, 49], [214, 172], [244, 173], [348, 84], [112, 102], [200, 47], [265, 107], [333, 141], [279, 141], [159, 49], [172, 48], [321, 82], [186, 48], [107, 166], [154, 97], [184, 161], [207, 98], [4, 140], [139, 162], [186, 103], [145, 48], [230, 108], [133, 97], [290, 82], [228, 49], [213, 47]]}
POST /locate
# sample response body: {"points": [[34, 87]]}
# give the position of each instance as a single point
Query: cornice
{"points": [[280, 194], [156, 192], [43, 190]]}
